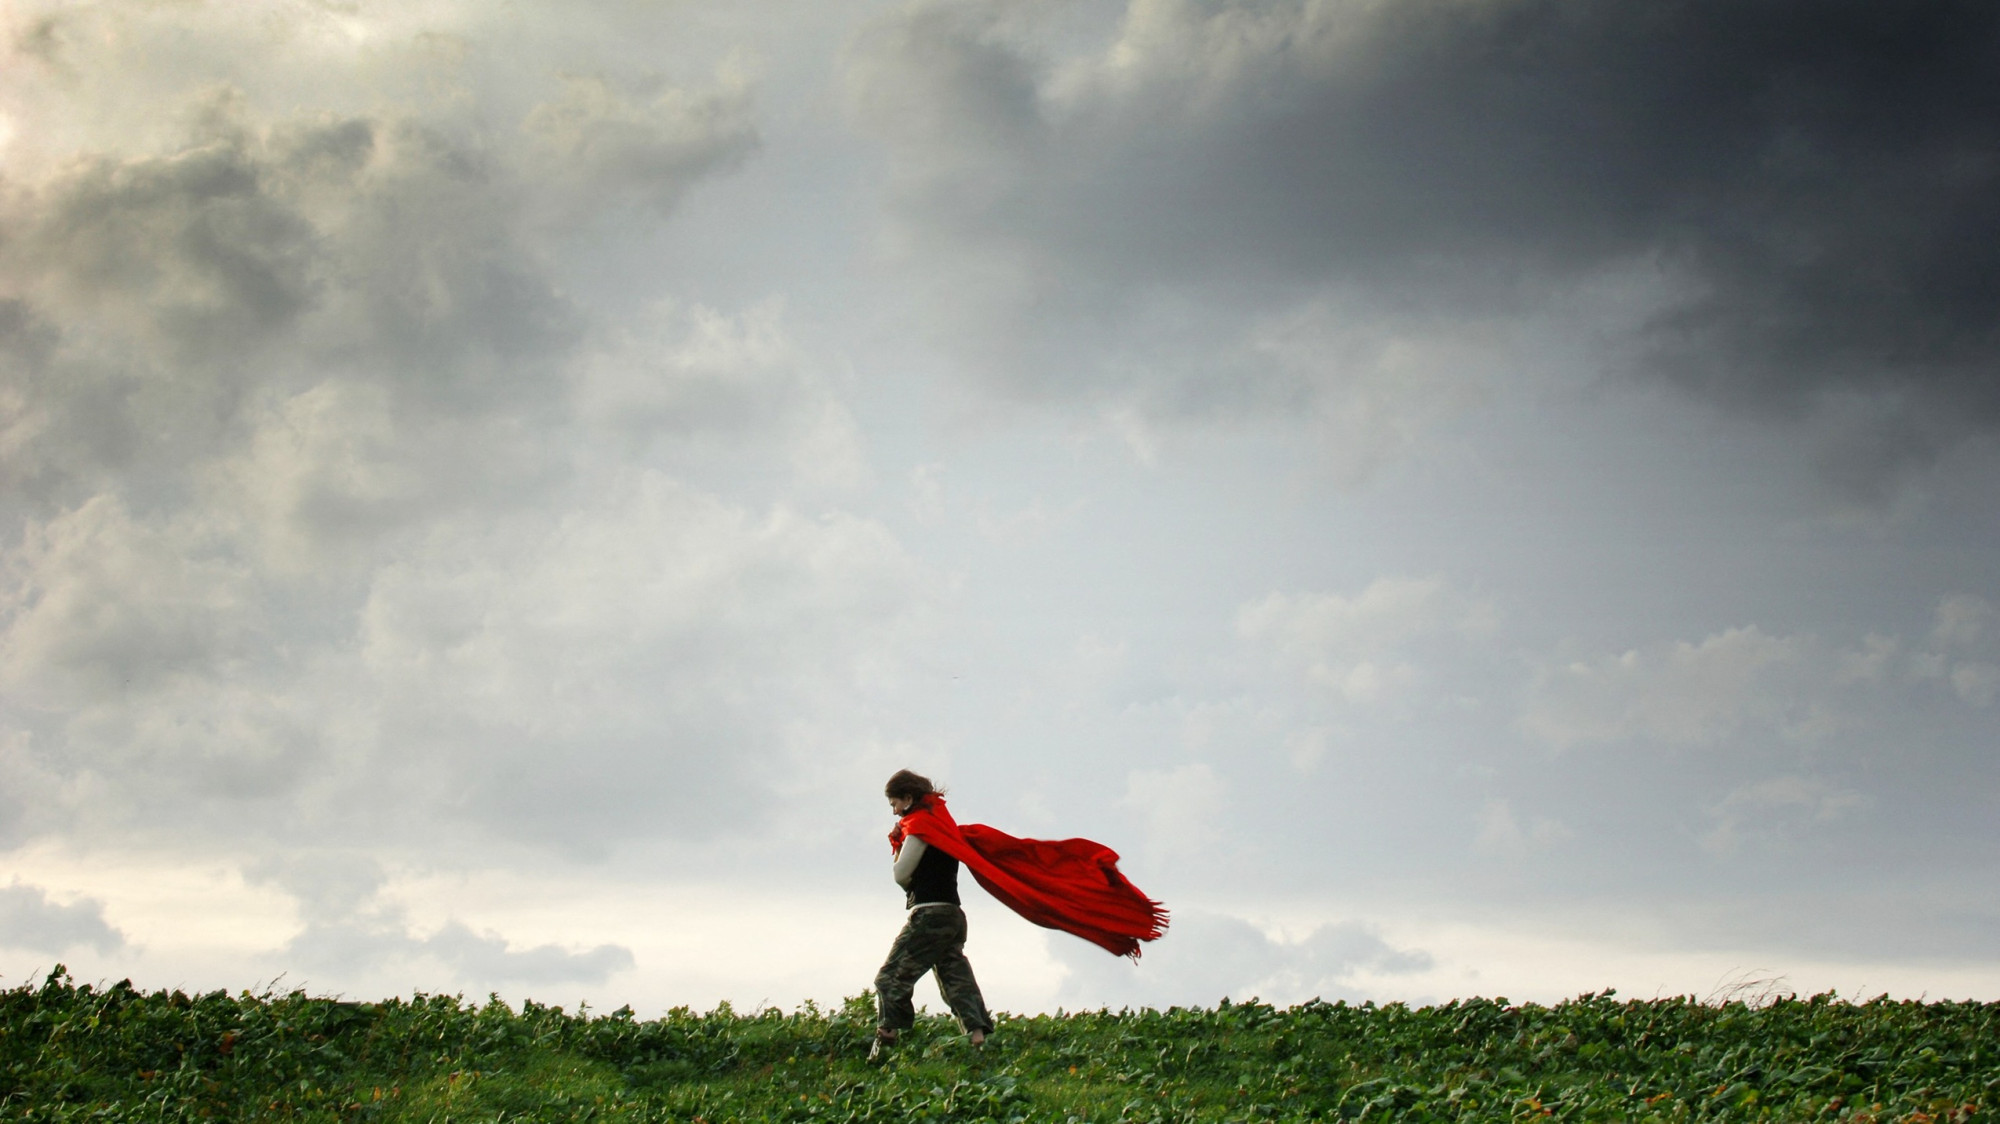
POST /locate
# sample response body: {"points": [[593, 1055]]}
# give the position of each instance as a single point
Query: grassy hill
{"points": [[81, 1053]]}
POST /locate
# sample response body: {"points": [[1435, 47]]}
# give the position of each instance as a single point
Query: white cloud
{"points": [[102, 601], [1359, 649], [621, 670], [1374, 392], [1962, 630], [331, 475], [1775, 808], [1962, 620], [1305, 748], [350, 930], [149, 676], [1208, 956], [1684, 694], [1501, 832], [649, 151], [1180, 808], [1739, 681], [694, 388], [1976, 683], [927, 494]]}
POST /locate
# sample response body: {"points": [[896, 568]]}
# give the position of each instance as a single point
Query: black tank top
{"points": [[935, 880]]}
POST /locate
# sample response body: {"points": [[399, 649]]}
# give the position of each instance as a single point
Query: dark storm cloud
{"points": [[1815, 183]]}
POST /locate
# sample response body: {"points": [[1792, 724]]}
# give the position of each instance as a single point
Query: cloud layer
{"points": [[1809, 189], [486, 496], [336, 518]]}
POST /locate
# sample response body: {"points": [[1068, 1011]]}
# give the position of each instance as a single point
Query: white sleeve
{"points": [[907, 860]]}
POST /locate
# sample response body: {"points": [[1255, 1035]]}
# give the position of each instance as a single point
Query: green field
{"points": [[82, 1053]]}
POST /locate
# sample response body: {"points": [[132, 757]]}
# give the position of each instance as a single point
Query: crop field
{"points": [[76, 1052]]}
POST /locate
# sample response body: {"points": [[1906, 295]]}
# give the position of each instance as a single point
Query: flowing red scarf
{"points": [[1068, 884]]}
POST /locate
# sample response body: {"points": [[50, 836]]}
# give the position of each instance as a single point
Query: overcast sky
{"points": [[1466, 496]]}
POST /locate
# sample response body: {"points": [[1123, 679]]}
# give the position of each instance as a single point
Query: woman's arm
{"points": [[907, 860]]}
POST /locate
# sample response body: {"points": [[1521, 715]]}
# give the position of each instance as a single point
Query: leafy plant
{"points": [[73, 1052]]}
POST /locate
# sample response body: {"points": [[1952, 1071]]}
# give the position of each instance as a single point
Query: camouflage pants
{"points": [[933, 940]]}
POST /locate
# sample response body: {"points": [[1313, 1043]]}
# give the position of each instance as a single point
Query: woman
{"points": [[933, 939]]}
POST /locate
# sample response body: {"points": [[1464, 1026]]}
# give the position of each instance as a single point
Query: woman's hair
{"points": [[911, 785]]}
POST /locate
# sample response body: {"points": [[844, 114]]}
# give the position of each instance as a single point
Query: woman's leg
{"points": [[956, 982], [908, 960]]}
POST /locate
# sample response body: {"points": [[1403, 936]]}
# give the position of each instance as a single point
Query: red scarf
{"points": [[1068, 884]]}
